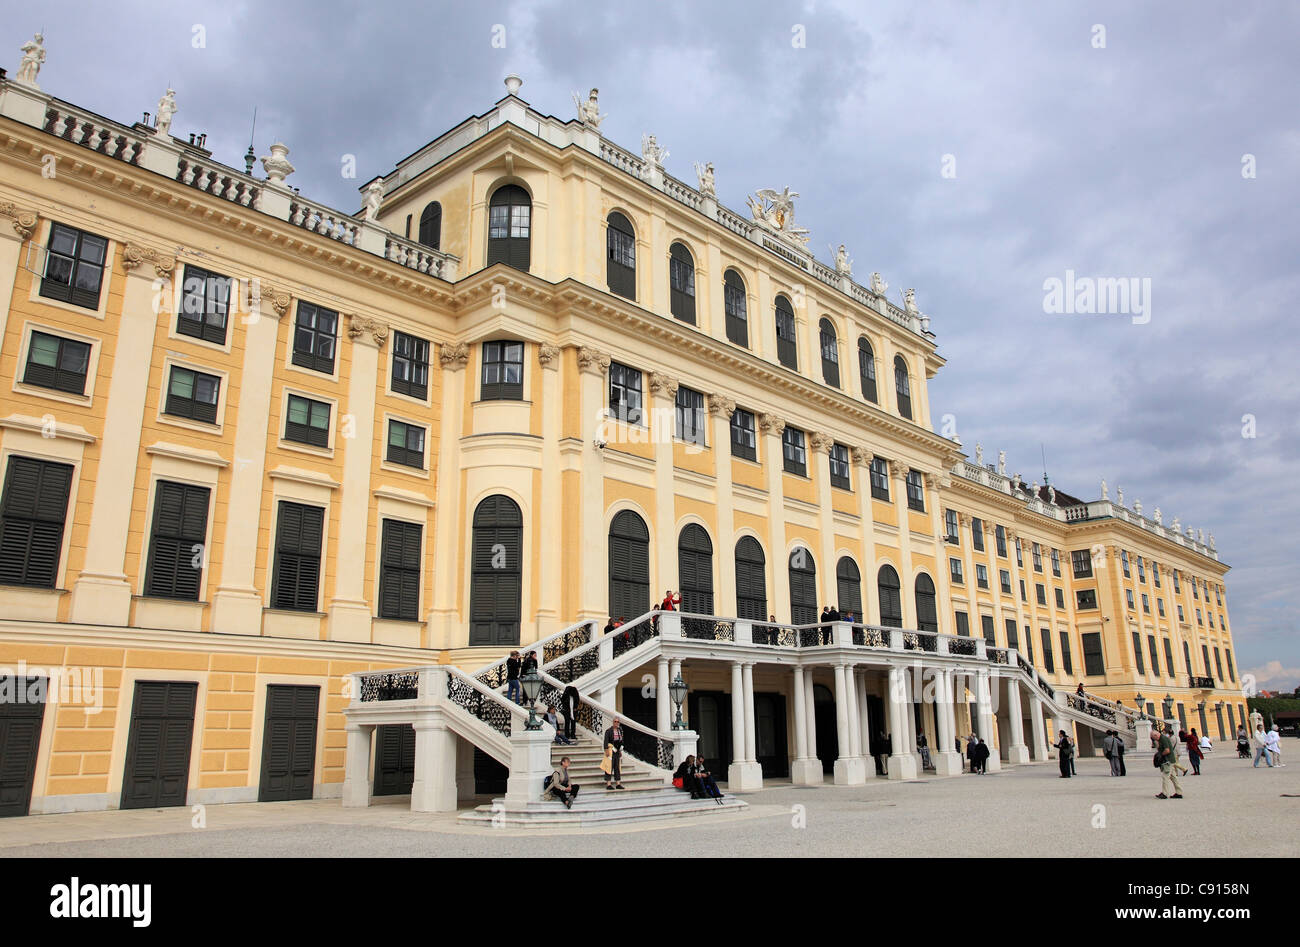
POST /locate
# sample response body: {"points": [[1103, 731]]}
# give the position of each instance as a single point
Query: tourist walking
{"points": [[1119, 746], [614, 753], [1260, 740], [514, 690], [982, 757], [560, 786], [1109, 751], [1064, 753], [924, 746], [972, 741], [569, 701], [1167, 759], [1274, 741], [1194, 751]]}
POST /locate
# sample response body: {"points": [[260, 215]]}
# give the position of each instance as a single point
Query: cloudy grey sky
{"points": [[1121, 161]]}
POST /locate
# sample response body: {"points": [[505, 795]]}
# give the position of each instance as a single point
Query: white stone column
{"points": [[806, 769], [771, 428], [356, 766], [849, 770], [1017, 752], [810, 715], [740, 773], [986, 726], [751, 737], [349, 609], [1040, 750], [947, 761], [445, 626], [865, 724], [663, 699], [855, 723], [237, 602], [593, 596], [721, 410], [902, 762], [102, 592], [663, 399], [550, 544], [434, 788]]}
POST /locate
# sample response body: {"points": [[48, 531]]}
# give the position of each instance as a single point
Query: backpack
{"points": [[546, 783], [1158, 761]]}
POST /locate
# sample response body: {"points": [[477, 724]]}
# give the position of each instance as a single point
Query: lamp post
{"points": [[1169, 706], [532, 684], [1142, 707], [677, 689]]}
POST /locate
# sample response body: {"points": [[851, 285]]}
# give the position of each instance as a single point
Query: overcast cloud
{"points": [[1119, 161]]}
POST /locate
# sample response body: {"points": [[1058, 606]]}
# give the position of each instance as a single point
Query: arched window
{"points": [[902, 387], [620, 256], [510, 214], [629, 566], [889, 591], [787, 351], [695, 574], [733, 301], [751, 580], [495, 588], [927, 614], [681, 283], [803, 587], [830, 353], [431, 225], [848, 588], [867, 370]]}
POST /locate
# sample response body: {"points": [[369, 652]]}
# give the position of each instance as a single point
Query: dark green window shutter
{"points": [[295, 583], [399, 570], [751, 580], [803, 588], [496, 578], [695, 570], [629, 566], [889, 590], [180, 529], [32, 514], [848, 588]]}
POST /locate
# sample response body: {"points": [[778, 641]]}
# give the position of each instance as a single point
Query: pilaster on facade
{"points": [[444, 614], [771, 428], [593, 366]]}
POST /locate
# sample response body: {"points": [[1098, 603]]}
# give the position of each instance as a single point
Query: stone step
{"points": [[602, 809]]}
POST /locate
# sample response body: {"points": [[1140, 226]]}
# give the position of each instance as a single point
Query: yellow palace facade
{"points": [[252, 445]]}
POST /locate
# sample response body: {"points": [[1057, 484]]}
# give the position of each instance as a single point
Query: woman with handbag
{"points": [[614, 755]]}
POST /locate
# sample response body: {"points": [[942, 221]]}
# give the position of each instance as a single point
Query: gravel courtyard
{"points": [[1232, 810]]}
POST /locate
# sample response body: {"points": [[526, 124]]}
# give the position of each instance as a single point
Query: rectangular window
{"points": [[625, 393], [1227, 655], [1020, 556], [1187, 658], [796, 461], [1180, 613], [58, 363], [1060, 598], [179, 531], [1155, 658], [690, 416], [1093, 663], [1040, 592], [503, 371], [1142, 570], [1056, 563], [74, 266], [1146, 604], [1049, 664], [1013, 639], [952, 530], [1169, 657], [954, 569], [1023, 596], [1123, 558], [33, 511], [1160, 607], [405, 444], [410, 366], [1155, 573], [315, 337], [399, 571], [295, 583], [1085, 599], [1029, 645], [1081, 563], [986, 623], [744, 443], [1177, 586], [915, 491], [1128, 597], [963, 624], [1195, 590], [880, 478], [982, 576], [733, 304], [1005, 577], [1137, 653], [1218, 596], [1198, 617], [205, 305], [840, 466], [193, 395], [977, 534], [1067, 661], [307, 422], [1037, 552], [681, 285], [1000, 539], [786, 348], [1205, 658]]}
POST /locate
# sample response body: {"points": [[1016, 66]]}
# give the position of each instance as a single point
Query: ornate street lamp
{"points": [[677, 689], [532, 683], [1169, 706], [1142, 707]]}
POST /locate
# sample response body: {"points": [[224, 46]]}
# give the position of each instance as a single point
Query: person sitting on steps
{"points": [[560, 786]]}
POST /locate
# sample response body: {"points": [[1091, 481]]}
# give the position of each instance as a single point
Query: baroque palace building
{"points": [[252, 446]]}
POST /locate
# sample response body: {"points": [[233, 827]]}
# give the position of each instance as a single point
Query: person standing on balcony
{"points": [[561, 787], [614, 753], [1064, 753], [514, 689], [569, 701]]}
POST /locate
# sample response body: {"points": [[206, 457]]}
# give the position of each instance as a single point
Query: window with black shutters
{"points": [[751, 580], [840, 466], [629, 565], [963, 624], [1169, 656], [1067, 660], [405, 444], [880, 478], [1049, 663], [1155, 658], [689, 410], [1023, 596], [695, 570], [295, 581], [982, 576], [1020, 559], [1093, 664], [1177, 585], [1037, 551], [915, 491], [743, 440], [1041, 593], [307, 422], [951, 530], [1005, 577], [1227, 656], [977, 534], [503, 371], [792, 449], [33, 510], [1138, 660], [1000, 540], [193, 395], [58, 363], [681, 283], [830, 353], [620, 256], [509, 227], [1081, 563], [205, 305], [1123, 558], [848, 588], [410, 366], [176, 545], [399, 570], [902, 388], [1056, 563], [954, 571], [986, 623], [1060, 598], [74, 266], [625, 393], [787, 350], [1205, 657], [867, 370], [431, 225], [1029, 644], [927, 615], [1187, 658], [803, 587], [733, 303], [315, 337], [1146, 603], [1142, 570], [889, 592], [1013, 639]]}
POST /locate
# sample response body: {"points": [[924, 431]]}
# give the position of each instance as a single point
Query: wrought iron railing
{"points": [[707, 628], [560, 645], [570, 669], [778, 636], [639, 742], [1091, 708], [997, 655], [1201, 682], [632, 635], [494, 675], [920, 641], [390, 685], [492, 709], [963, 646]]}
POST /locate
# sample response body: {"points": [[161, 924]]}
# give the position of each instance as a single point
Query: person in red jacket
{"points": [[669, 601]]}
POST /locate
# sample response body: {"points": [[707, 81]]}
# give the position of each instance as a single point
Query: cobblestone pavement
{"points": [[1232, 810]]}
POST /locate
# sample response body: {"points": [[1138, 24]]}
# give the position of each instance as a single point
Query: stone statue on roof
{"points": [[589, 111], [651, 152], [878, 284], [1104, 494], [705, 174], [33, 58], [166, 109], [775, 210], [373, 198], [1002, 462], [979, 454], [843, 265], [909, 302]]}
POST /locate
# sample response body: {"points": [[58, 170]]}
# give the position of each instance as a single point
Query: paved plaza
{"points": [[1233, 810]]}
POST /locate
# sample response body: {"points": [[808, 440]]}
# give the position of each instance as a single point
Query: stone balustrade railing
{"points": [[621, 159], [98, 134], [219, 181], [323, 220]]}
